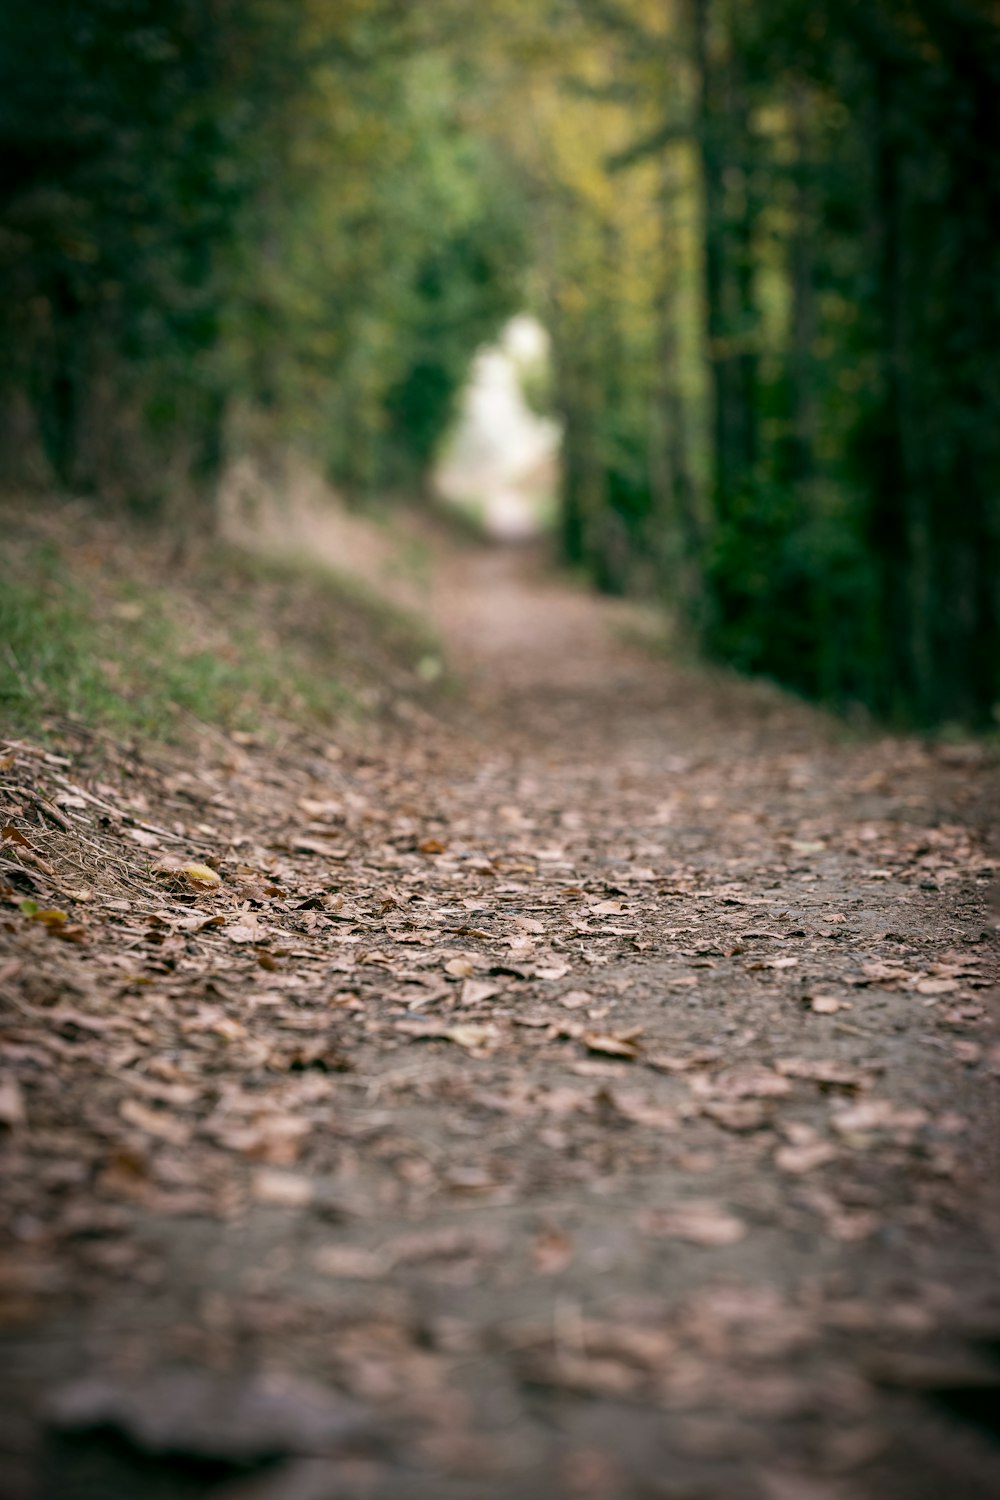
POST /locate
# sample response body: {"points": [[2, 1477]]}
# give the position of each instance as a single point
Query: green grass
{"points": [[233, 641]]}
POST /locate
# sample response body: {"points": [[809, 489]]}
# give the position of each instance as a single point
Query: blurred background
{"points": [[707, 290]]}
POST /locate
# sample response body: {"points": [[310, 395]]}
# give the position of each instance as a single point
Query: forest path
{"points": [[589, 1093]]}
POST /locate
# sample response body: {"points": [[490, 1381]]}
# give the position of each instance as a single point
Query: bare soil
{"points": [[588, 1090]]}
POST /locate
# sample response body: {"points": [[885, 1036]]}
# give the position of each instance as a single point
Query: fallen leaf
{"points": [[700, 1223], [827, 1072], [738, 1114], [246, 930], [475, 991], [350, 1261], [155, 1122], [611, 1046], [551, 1252], [741, 1083], [804, 1158], [13, 835], [827, 1005], [12, 1111], [281, 1189], [470, 1035], [878, 1114], [50, 916], [474, 1038], [557, 970], [576, 999], [936, 986]]}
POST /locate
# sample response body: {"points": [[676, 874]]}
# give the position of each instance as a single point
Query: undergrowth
{"points": [[109, 635]]}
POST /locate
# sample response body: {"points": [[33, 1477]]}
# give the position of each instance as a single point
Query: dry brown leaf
{"points": [[936, 986], [12, 1110], [281, 1189], [737, 1114], [750, 1082], [611, 1046], [246, 929], [12, 834], [805, 1157], [475, 991], [552, 970], [576, 999], [878, 1114], [352, 1262], [156, 1122], [827, 1005], [551, 1252], [827, 1072], [700, 1223]]}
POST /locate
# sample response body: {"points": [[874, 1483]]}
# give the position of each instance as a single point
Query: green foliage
{"points": [[763, 239], [232, 641], [248, 220], [827, 502]]}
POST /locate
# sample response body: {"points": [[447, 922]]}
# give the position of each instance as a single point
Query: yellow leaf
{"points": [[202, 877]]}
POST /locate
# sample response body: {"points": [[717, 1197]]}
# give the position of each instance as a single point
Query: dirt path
{"points": [[588, 1095]]}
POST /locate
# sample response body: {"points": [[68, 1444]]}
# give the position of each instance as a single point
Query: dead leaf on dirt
{"points": [[281, 1189], [554, 970], [551, 1252], [772, 963], [195, 922], [190, 873], [585, 1374], [246, 929], [155, 1122], [878, 1114], [875, 971], [605, 1044], [805, 1157], [576, 999], [470, 1035], [352, 1262], [275, 1138], [827, 1005], [10, 833], [936, 986], [450, 1242], [740, 1083], [12, 1111], [475, 991], [49, 916], [827, 1072], [700, 1223], [739, 1114]]}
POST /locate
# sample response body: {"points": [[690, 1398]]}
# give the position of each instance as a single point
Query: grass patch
{"points": [[111, 635]]}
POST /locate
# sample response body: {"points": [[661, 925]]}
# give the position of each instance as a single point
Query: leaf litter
{"points": [[679, 1111]]}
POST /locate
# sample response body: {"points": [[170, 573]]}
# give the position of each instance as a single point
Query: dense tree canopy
{"points": [[762, 239]]}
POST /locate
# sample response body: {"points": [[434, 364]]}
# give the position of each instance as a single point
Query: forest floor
{"points": [[582, 1085]]}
